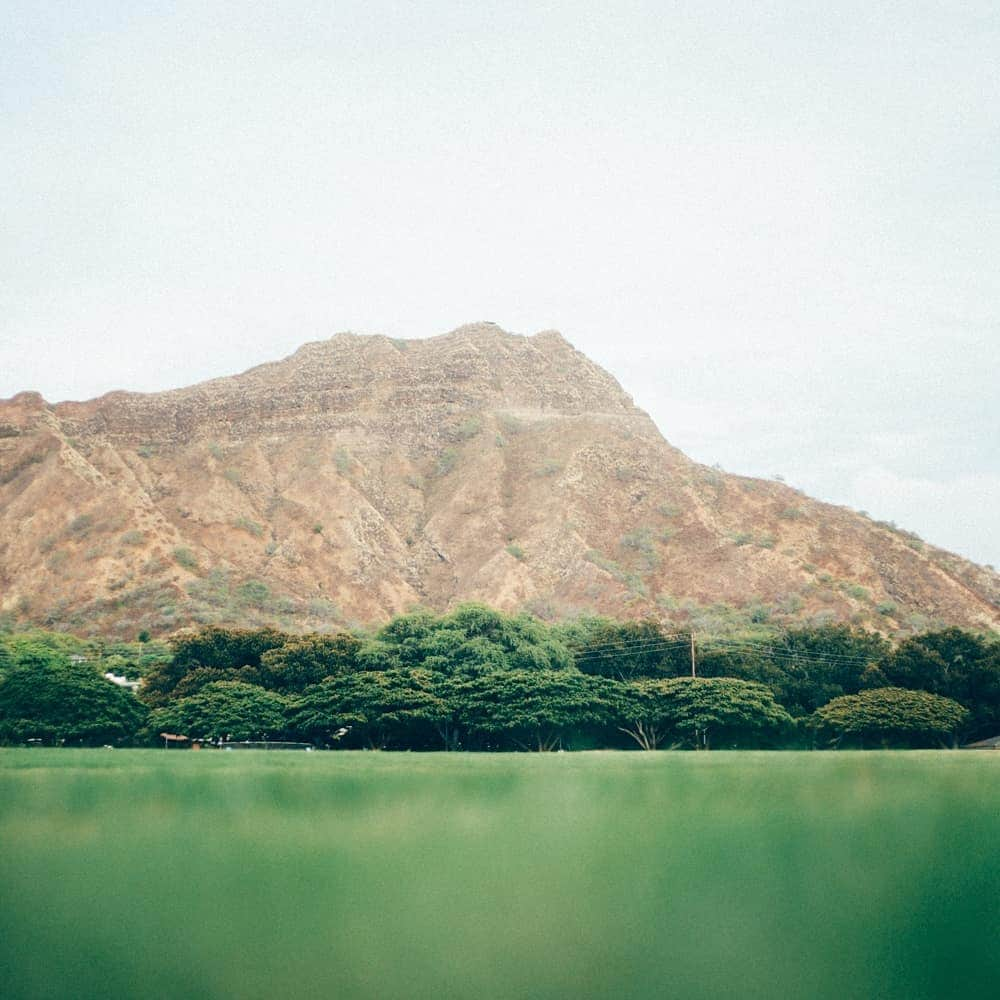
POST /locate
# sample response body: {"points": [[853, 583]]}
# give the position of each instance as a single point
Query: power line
{"points": [[634, 648], [586, 657]]}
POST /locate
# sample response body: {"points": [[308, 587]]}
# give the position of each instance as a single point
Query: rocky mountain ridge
{"points": [[362, 475]]}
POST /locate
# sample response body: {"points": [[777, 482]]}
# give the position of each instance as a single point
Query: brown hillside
{"points": [[362, 475]]}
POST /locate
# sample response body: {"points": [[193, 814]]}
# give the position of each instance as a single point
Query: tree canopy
{"points": [[58, 700], [890, 717], [472, 639], [224, 710], [380, 709], [702, 712], [533, 709]]}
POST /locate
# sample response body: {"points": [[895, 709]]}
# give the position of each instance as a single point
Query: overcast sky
{"points": [[778, 224]]}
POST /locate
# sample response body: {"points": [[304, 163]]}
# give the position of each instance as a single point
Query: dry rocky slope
{"points": [[362, 476]]}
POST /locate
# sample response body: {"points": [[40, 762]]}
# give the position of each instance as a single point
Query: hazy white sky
{"points": [[777, 223]]}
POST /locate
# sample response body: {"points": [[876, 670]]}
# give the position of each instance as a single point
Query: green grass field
{"points": [[152, 874]]}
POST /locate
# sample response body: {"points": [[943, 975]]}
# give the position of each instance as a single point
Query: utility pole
{"points": [[694, 669]]}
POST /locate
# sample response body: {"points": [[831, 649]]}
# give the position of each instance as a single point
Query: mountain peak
{"points": [[362, 475]]}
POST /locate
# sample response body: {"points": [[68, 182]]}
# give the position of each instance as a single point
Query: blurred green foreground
{"points": [[275, 875]]}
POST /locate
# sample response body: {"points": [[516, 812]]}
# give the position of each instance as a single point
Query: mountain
{"points": [[364, 475]]}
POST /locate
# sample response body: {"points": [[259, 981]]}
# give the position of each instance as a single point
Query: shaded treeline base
{"points": [[481, 680]]}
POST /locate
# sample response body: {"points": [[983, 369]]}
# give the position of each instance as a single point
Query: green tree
{"points": [[381, 709], [534, 709], [890, 717], [307, 659], [626, 650], [211, 648], [224, 709], [702, 711], [804, 667], [472, 639], [63, 701], [955, 664]]}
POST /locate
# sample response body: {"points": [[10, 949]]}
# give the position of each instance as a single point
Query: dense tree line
{"points": [[479, 679]]}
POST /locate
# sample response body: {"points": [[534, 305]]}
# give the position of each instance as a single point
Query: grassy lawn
{"points": [[252, 874]]}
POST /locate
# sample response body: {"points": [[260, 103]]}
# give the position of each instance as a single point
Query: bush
{"points": [[469, 428], [254, 592], [342, 460], [186, 559], [447, 461], [80, 526]]}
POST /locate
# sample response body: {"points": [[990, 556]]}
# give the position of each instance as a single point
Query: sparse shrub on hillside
{"points": [[56, 561], [550, 467], [791, 514], [12, 471], [317, 528], [763, 541], [791, 604], [254, 593], [215, 450], [641, 543], [186, 559], [250, 527], [154, 566], [145, 451], [887, 608], [80, 526], [516, 551], [856, 591], [447, 461], [509, 424], [713, 478], [133, 538], [320, 607], [342, 460], [469, 428], [602, 561], [233, 476], [633, 581]]}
